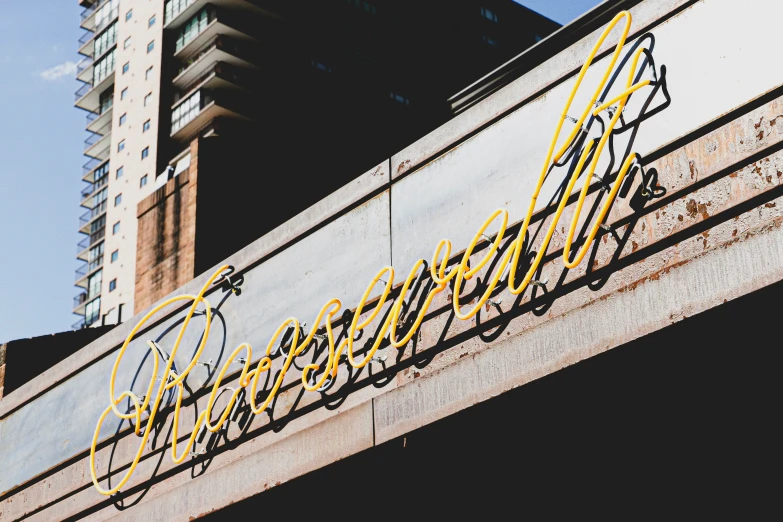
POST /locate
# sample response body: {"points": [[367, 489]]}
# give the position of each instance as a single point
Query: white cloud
{"points": [[65, 69]]}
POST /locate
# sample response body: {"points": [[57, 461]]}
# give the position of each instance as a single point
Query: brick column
{"points": [[165, 249], [2, 369]]}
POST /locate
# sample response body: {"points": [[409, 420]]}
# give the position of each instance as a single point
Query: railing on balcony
{"points": [[79, 299], [82, 271], [86, 192], [84, 89], [83, 64], [85, 218], [91, 140], [92, 187], [78, 325], [82, 245], [90, 9], [86, 37]]}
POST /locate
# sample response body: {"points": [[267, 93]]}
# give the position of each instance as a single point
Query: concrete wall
{"points": [[714, 236], [134, 167]]}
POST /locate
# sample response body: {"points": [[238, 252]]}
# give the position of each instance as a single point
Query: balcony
{"points": [[87, 44], [94, 169], [84, 69], [81, 272], [200, 41], [78, 325], [91, 189], [196, 112], [84, 272], [98, 147], [100, 123], [83, 247], [79, 303], [88, 97], [97, 17], [86, 219], [219, 51], [180, 11]]}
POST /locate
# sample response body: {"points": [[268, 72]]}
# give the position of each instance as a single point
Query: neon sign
{"points": [[585, 155]]}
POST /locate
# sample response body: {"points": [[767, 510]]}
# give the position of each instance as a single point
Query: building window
{"points": [[129, 15], [120, 172], [151, 22], [365, 6], [112, 285], [103, 67], [145, 152], [117, 199], [121, 146], [115, 228], [489, 15], [186, 111], [92, 311], [101, 173], [194, 27], [150, 46], [489, 41], [105, 40], [400, 99], [107, 12], [98, 207], [147, 99], [94, 284], [127, 43], [96, 256], [126, 67], [148, 73], [143, 181], [320, 66], [115, 255], [106, 100], [123, 119], [146, 126], [124, 93]]}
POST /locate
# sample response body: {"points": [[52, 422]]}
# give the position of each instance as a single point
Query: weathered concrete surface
{"points": [[694, 163], [311, 219], [563, 65], [346, 433], [325, 264], [654, 303], [500, 166], [719, 253]]}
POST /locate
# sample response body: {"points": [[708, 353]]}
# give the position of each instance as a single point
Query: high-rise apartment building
{"points": [[284, 101]]}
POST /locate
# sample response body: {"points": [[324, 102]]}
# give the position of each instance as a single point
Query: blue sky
{"points": [[561, 11], [41, 140]]}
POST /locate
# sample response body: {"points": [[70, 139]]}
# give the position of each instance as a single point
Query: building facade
{"points": [[263, 80], [624, 362]]}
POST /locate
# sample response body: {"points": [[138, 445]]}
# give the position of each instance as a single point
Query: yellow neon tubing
{"points": [[589, 175], [547, 162], [397, 308], [440, 261], [167, 374], [266, 363], [330, 339]]}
